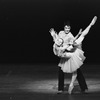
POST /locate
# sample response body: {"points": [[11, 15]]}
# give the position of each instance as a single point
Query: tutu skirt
{"points": [[72, 61]]}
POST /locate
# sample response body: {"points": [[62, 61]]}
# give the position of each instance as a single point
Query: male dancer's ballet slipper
{"points": [[70, 89], [60, 92]]}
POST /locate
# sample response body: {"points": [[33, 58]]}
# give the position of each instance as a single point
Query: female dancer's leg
{"points": [[71, 86]]}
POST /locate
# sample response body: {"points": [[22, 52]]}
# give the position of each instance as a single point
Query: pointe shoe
{"points": [[70, 89]]}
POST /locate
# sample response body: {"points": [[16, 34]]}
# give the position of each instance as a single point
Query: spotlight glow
{"points": [[50, 86]]}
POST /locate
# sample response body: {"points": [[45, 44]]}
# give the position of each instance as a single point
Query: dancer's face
{"points": [[59, 41], [67, 29], [70, 47]]}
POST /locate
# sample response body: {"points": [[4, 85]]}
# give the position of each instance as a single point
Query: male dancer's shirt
{"points": [[68, 38]]}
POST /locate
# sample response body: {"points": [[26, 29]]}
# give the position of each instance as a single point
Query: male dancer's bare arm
{"points": [[80, 32]]}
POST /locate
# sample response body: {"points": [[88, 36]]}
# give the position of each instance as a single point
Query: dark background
{"points": [[25, 25]]}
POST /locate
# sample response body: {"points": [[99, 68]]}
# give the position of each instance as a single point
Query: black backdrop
{"points": [[25, 25]]}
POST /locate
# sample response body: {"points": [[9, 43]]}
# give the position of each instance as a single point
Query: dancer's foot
{"points": [[60, 91], [70, 89], [84, 91]]}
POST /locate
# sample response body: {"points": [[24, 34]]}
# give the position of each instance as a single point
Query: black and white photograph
{"points": [[49, 50]]}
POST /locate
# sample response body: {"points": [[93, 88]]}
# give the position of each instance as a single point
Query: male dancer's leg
{"points": [[81, 80], [60, 80]]}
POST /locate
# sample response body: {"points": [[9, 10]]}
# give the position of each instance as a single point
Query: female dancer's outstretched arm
{"points": [[53, 34]]}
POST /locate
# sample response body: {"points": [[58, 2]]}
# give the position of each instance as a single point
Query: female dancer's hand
{"points": [[52, 31], [53, 34]]}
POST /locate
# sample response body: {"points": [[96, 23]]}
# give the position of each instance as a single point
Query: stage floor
{"points": [[39, 82]]}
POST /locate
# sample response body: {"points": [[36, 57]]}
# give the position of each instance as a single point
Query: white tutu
{"points": [[75, 60]]}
